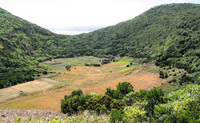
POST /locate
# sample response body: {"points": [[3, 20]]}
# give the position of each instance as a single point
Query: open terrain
{"points": [[46, 92]]}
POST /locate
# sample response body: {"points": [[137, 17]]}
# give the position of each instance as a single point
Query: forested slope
{"points": [[169, 34], [21, 47]]}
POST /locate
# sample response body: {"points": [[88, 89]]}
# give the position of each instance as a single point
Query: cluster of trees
{"points": [[68, 67], [78, 102], [95, 65], [106, 60], [15, 69], [183, 106], [128, 106]]}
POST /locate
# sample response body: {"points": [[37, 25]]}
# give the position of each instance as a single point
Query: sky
{"points": [[73, 17]]}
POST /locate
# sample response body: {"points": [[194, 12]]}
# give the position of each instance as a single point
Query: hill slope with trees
{"points": [[167, 34]]}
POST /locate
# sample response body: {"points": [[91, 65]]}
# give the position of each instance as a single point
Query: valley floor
{"points": [[46, 93]]}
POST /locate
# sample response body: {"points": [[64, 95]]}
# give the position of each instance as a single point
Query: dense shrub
{"points": [[154, 97], [106, 61], [161, 74], [135, 114], [95, 104], [183, 106], [86, 64], [44, 72], [186, 79], [74, 103], [95, 65], [117, 104], [130, 98], [78, 102], [125, 88], [116, 116], [144, 106], [77, 92], [68, 67], [116, 94]]}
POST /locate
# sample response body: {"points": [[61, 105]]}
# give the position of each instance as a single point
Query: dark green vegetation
{"points": [[144, 106], [68, 67], [95, 65], [77, 101]]}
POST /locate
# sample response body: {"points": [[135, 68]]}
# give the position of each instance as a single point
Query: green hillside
{"points": [[20, 44], [169, 34]]}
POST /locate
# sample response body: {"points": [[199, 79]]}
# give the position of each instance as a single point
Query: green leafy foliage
{"points": [[68, 67], [154, 97], [122, 89], [77, 92], [116, 94], [135, 114], [130, 98], [125, 88], [144, 106], [74, 103], [78, 102], [183, 106], [116, 116], [95, 65], [99, 104]]}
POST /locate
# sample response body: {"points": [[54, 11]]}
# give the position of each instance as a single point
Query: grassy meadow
{"points": [[46, 92]]}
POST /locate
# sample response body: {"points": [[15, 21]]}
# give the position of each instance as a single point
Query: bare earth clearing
{"points": [[51, 90]]}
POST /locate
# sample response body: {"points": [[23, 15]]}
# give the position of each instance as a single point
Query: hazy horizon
{"points": [[77, 16]]}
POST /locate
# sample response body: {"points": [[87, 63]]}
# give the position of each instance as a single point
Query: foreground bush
{"points": [[183, 107], [135, 114], [117, 116], [74, 104], [122, 89], [78, 102]]}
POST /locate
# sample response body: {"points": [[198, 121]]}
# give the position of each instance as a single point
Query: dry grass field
{"points": [[51, 90], [41, 84]]}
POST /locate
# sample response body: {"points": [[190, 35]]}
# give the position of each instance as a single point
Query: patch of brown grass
{"points": [[142, 80], [85, 69], [28, 87], [89, 79], [36, 85]]}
